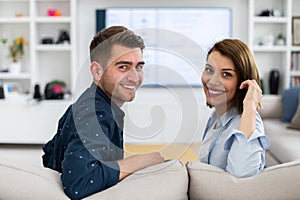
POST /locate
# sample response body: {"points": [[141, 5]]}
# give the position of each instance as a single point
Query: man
{"points": [[88, 146]]}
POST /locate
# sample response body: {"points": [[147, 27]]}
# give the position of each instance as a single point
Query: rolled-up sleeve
{"points": [[246, 157]]}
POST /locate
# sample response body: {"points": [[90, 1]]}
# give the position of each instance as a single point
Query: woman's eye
{"points": [[208, 70], [226, 74]]}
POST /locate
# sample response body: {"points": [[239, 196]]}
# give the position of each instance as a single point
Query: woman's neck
{"points": [[221, 109]]}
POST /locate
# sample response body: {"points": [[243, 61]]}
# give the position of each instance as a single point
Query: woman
{"points": [[234, 138]]}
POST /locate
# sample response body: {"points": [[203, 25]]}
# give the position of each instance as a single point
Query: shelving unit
{"points": [[273, 56], [41, 63]]}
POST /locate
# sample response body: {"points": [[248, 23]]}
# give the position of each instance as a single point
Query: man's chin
{"points": [[127, 98], [131, 98]]}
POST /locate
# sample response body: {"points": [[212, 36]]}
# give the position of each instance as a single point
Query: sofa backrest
{"points": [[272, 106], [207, 182]]}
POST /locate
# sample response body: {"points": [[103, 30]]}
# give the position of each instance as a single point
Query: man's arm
{"points": [[136, 162], [83, 174]]}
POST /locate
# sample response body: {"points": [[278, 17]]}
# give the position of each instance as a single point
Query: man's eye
{"points": [[139, 67], [123, 67]]}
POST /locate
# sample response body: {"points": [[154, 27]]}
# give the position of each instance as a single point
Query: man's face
{"points": [[123, 74]]}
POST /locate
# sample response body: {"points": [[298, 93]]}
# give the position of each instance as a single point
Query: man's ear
{"points": [[96, 70]]}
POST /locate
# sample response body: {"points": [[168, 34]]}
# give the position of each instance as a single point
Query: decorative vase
{"points": [[15, 67], [274, 81]]}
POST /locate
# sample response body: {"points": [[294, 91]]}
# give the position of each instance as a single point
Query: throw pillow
{"points": [[289, 103], [295, 123]]}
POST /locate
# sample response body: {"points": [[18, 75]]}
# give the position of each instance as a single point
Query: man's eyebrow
{"points": [[129, 63], [124, 62]]}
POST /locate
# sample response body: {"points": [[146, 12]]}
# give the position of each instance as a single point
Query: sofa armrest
{"points": [[272, 106]]}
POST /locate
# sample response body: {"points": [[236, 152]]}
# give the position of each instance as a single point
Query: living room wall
{"points": [[87, 16]]}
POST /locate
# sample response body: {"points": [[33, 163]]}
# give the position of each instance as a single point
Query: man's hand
{"points": [[137, 162]]}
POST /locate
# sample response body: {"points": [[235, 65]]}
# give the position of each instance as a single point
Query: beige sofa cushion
{"points": [[284, 142], [276, 182], [272, 106], [164, 181], [24, 181]]}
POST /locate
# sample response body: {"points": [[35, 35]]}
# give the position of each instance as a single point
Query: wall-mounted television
{"points": [[176, 39]]}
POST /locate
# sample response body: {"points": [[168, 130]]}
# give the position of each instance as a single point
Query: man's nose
{"points": [[133, 75]]}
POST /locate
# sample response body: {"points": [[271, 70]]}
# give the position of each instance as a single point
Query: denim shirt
{"points": [[229, 149], [87, 145]]}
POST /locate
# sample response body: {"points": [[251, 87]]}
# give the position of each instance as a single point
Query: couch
{"points": [[284, 141], [175, 179]]}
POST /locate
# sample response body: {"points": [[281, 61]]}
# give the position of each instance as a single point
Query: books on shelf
{"points": [[295, 61], [294, 81]]}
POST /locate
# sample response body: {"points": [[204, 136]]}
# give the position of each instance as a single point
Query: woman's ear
{"points": [[96, 70]]}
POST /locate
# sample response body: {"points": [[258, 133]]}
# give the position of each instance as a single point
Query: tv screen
{"points": [[176, 39]]}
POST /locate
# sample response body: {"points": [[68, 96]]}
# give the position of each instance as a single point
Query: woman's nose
{"points": [[215, 79]]}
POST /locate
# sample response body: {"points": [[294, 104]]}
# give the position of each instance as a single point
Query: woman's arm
{"points": [[251, 103]]}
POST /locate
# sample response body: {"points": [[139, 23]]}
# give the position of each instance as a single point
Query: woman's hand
{"points": [[251, 104], [253, 95]]}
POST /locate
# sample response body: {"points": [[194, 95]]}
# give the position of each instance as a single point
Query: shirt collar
{"points": [[116, 109], [225, 118]]}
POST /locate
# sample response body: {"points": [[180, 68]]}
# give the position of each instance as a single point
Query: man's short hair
{"points": [[104, 40]]}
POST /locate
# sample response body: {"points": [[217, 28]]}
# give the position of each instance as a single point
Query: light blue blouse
{"points": [[228, 148]]}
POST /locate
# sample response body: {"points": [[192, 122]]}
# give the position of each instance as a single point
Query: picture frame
{"points": [[296, 31], [11, 89]]}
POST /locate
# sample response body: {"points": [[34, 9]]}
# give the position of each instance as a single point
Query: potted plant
{"points": [[55, 89], [16, 50], [280, 39]]}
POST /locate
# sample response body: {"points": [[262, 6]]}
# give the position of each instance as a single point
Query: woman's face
{"points": [[219, 80]]}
